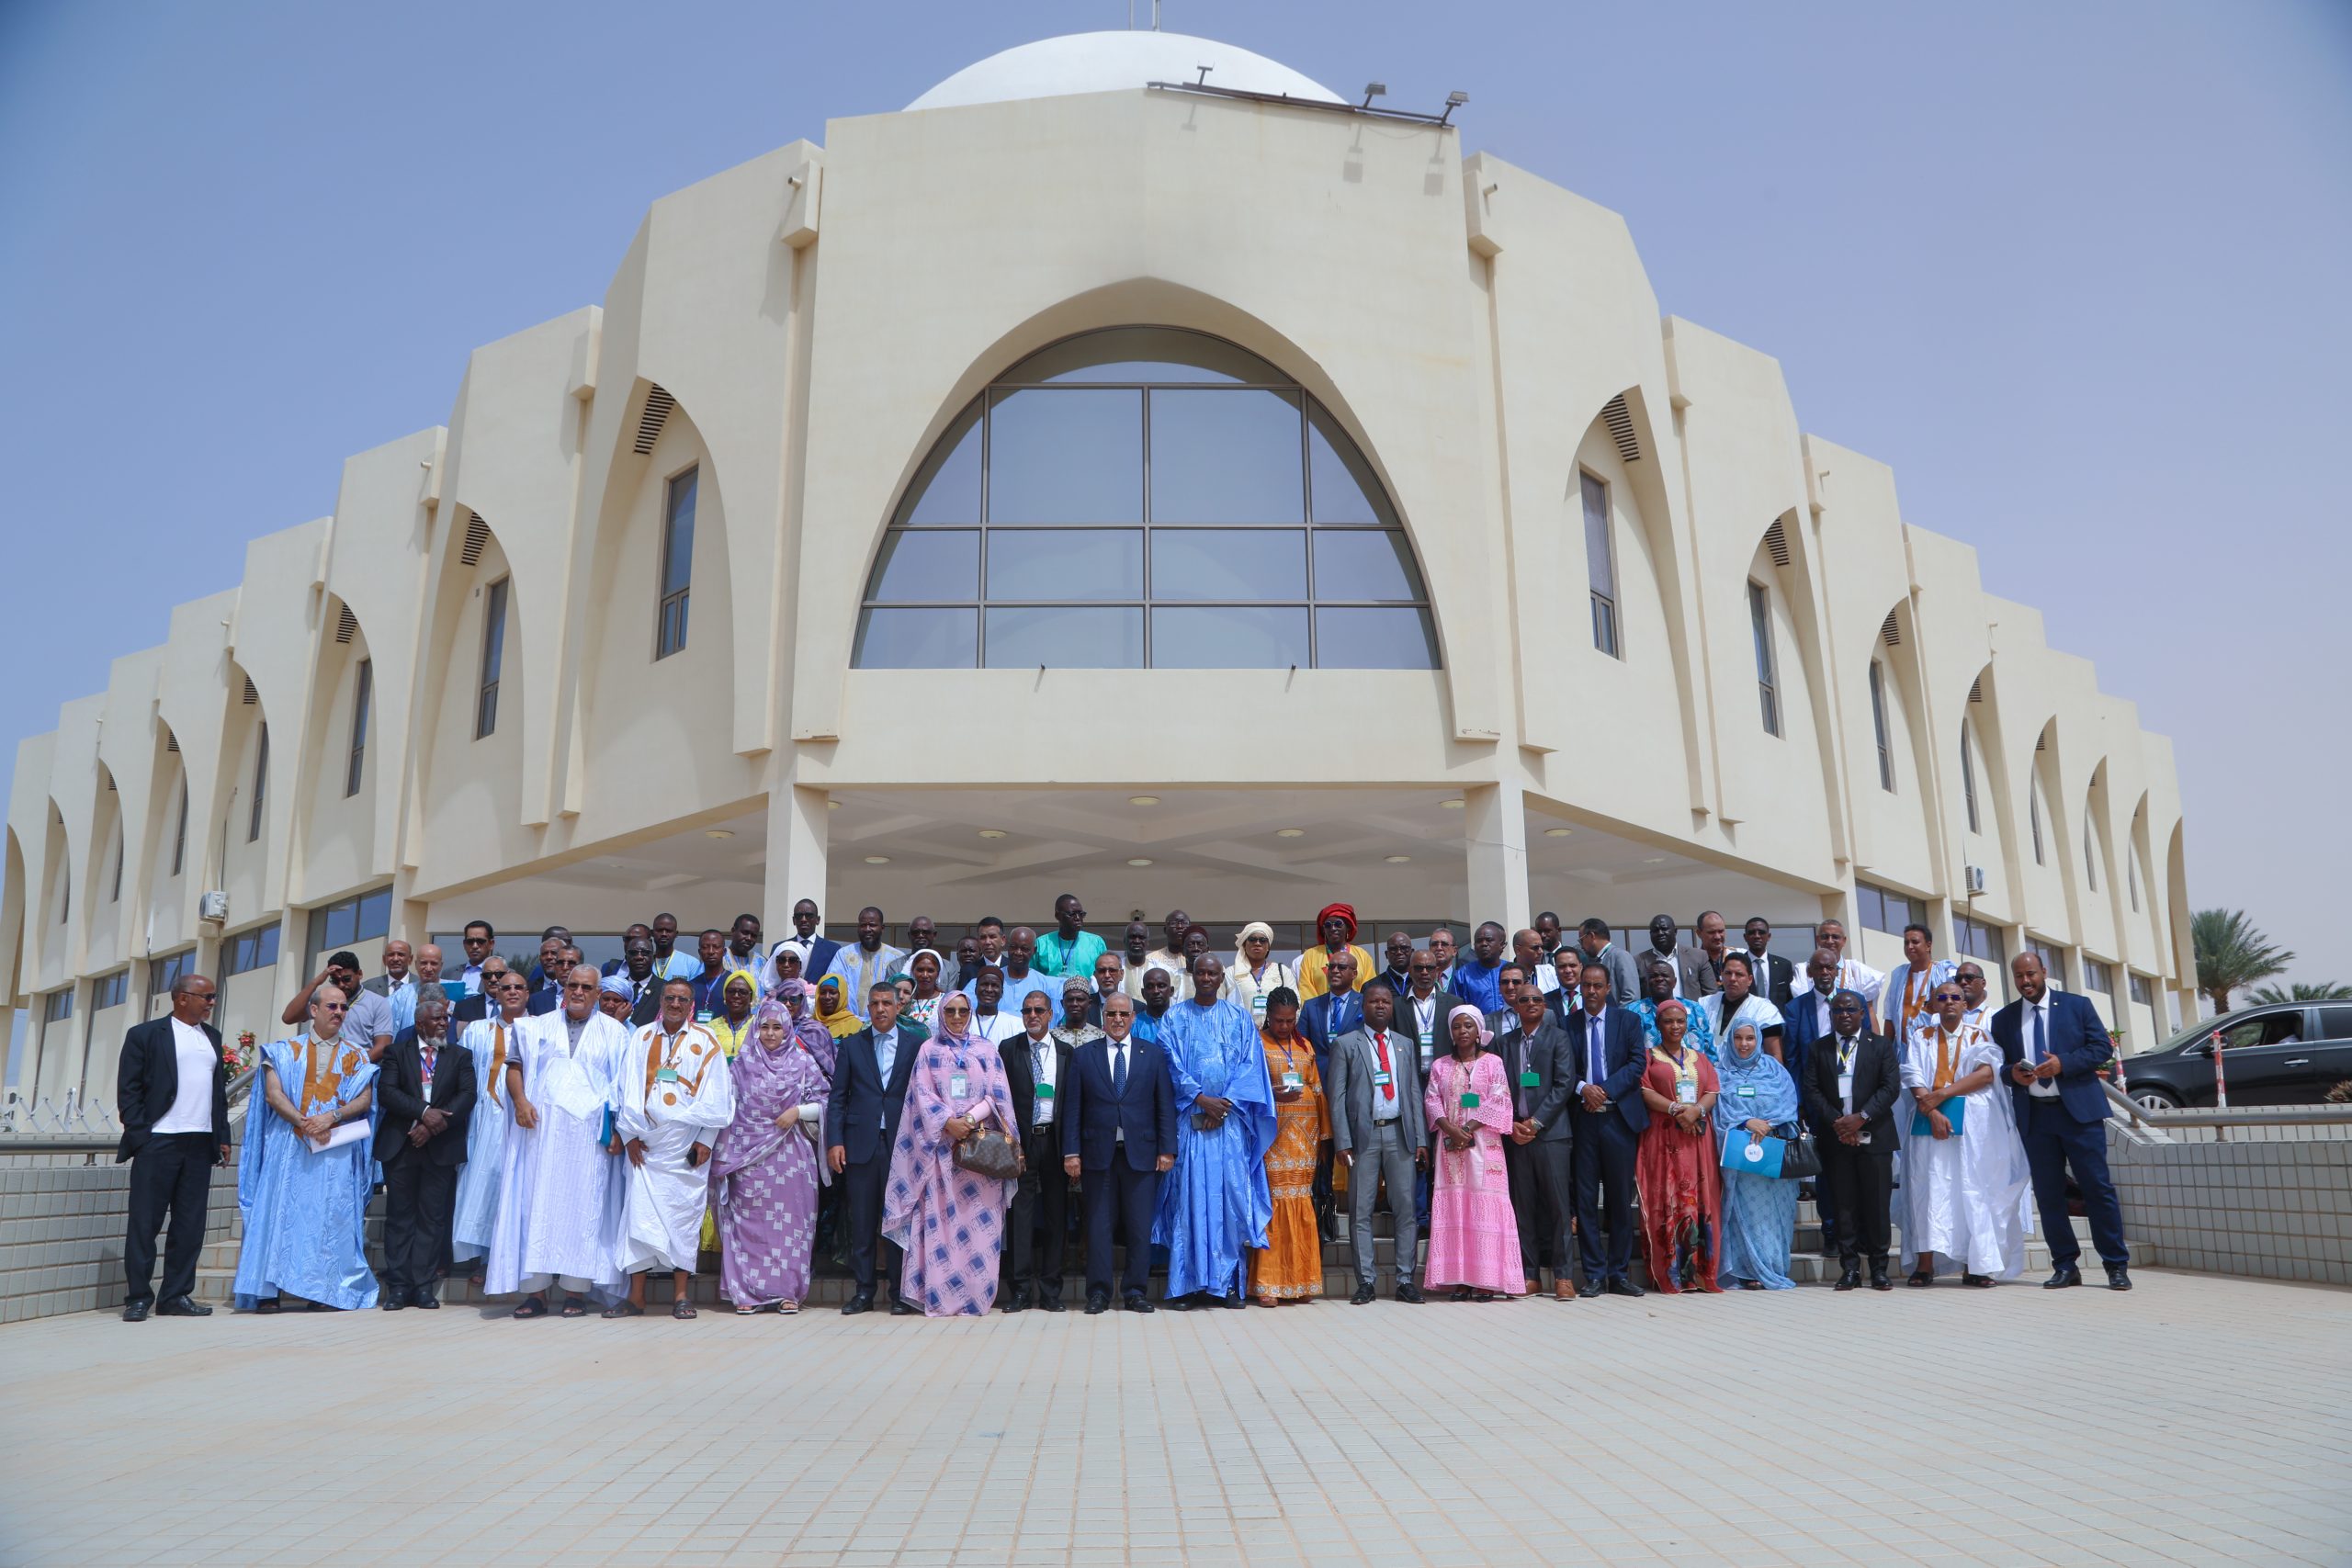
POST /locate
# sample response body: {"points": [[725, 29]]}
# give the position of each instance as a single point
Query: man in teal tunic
{"points": [[1215, 1205], [305, 1209]]}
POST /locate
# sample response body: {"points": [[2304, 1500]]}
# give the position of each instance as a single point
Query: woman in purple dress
{"points": [[764, 1171], [949, 1222]]}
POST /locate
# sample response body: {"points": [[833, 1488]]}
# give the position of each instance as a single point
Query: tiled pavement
{"points": [[2199, 1419]]}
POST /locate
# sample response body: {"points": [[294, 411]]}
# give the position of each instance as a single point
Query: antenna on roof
{"points": [[1204, 71]]}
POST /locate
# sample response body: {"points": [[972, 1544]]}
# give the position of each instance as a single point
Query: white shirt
{"points": [[1384, 1095], [1859, 977], [1846, 1046], [2041, 1089], [1424, 1023], [1042, 1060], [191, 1109], [999, 1026]]}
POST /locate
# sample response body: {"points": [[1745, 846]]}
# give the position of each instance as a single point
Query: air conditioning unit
{"points": [[212, 907], [1975, 880]]}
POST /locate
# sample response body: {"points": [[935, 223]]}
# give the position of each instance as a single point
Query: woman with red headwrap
{"points": [[1336, 924]]}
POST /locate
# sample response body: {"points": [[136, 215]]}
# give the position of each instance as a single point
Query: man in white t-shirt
{"points": [[172, 1094]]}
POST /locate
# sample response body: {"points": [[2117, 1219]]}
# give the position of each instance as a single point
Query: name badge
{"points": [[1845, 1085], [1258, 1007], [1381, 1080], [1044, 1092], [1528, 1080], [1427, 1040], [1746, 1093], [704, 1015], [1299, 1080], [665, 1075], [957, 1086], [1686, 1092], [1470, 1100]]}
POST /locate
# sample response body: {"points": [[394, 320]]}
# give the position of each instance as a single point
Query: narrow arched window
{"points": [[1968, 777], [1145, 497]]}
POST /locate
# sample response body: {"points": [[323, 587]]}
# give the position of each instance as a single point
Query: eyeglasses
{"points": [[1034, 1007], [332, 1007]]}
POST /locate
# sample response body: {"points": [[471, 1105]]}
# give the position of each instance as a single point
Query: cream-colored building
{"points": [[1231, 500]]}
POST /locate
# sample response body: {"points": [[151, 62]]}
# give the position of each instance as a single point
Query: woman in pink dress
{"points": [[1474, 1238], [948, 1221]]}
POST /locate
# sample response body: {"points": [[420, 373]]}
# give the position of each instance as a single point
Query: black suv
{"points": [[2288, 1055]]}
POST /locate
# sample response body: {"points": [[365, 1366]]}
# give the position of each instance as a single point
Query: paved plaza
{"points": [[2198, 1420]]}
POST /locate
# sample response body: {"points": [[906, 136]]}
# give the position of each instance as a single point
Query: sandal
{"points": [[269, 1303], [787, 1309], [748, 1312], [618, 1309], [573, 1307], [1981, 1282], [681, 1309], [1921, 1279], [533, 1307]]}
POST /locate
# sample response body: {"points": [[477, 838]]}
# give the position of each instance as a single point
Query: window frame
{"points": [[364, 916], [2090, 852], [673, 603], [261, 784], [242, 953], [111, 990], [2053, 959], [1968, 776], [1767, 673], [1600, 557], [362, 694], [2142, 989], [165, 968], [121, 853], [1980, 940], [1878, 726], [1885, 909], [494, 597], [56, 1006]]}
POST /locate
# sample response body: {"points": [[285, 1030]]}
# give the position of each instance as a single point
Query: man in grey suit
{"points": [[1377, 1131], [1541, 1068], [1624, 980]]}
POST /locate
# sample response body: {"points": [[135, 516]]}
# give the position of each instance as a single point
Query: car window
{"points": [[2264, 1029], [2246, 1032], [2336, 1023]]}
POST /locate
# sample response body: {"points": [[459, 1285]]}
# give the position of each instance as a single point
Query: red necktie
{"points": [[1380, 1041]]}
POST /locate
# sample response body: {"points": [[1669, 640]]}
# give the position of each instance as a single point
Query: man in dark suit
{"points": [[559, 963], [815, 949], [1606, 1052], [482, 1004], [1323, 1020], [1849, 1087], [861, 1129], [1776, 977], [1037, 1067], [1118, 1139], [2052, 1045], [1805, 1021], [1541, 1071], [426, 1088], [172, 1096]]}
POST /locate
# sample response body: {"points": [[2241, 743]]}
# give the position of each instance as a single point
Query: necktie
{"points": [[2040, 1040], [1119, 1071], [1591, 1050], [1380, 1043], [428, 1066]]}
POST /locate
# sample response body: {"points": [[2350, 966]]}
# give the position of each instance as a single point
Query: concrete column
{"points": [[799, 837], [1494, 830]]}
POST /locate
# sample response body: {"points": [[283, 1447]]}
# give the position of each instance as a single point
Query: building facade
{"points": [[1230, 501]]}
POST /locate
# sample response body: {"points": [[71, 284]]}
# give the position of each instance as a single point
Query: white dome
{"points": [[1111, 62]]}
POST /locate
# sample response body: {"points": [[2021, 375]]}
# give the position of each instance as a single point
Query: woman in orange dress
{"points": [[1682, 1185], [1289, 1267]]}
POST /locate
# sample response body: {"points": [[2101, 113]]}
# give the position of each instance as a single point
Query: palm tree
{"points": [[2232, 953], [2303, 991]]}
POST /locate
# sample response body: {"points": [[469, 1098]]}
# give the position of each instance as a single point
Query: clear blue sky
{"points": [[2078, 271]]}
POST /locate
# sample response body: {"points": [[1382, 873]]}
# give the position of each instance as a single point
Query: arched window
{"points": [[1139, 497], [1968, 777]]}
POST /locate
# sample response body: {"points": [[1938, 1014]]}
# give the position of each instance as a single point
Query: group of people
{"points": [[953, 1118]]}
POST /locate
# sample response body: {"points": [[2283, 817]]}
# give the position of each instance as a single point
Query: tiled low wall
{"points": [[61, 1222], [2273, 1209]]}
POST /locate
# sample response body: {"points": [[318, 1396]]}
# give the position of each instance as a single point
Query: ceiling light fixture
{"points": [[1139, 861], [991, 832], [1143, 800], [1290, 832], [1453, 805], [1398, 860], [718, 832], [878, 860], [1557, 832]]}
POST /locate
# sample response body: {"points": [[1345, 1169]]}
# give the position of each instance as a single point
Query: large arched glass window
{"points": [[1145, 496]]}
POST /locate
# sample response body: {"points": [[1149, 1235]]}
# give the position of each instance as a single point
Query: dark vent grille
{"points": [[1887, 633], [347, 626], [170, 742], [1620, 420], [657, 404], [1776, 540], [110, 783], [2041, 743], [477, 539], [252, 695], [1976, 690]]}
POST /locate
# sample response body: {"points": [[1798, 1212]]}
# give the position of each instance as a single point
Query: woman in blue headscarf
{"points": [[1758, 1101]]}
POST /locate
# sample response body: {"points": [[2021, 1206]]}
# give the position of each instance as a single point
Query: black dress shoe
{"points": [[1049, 1303], [1410, 1293], [1363, 1297], [1624, 1287], [1879, 1280], [856, 1304], [394, 1301], [1096, 1303], [2118, 1277], [1017, 1301], [1236, 1301], [181, 1306], [1136, 1304], [135, 1312], [1851, 1279], [1183, 1303], [1586, 1289], [2065, 1275], [901, 1307], [428, 1302]]}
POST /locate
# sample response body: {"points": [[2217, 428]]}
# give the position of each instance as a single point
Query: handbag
{"points": [[1798, 1161], [987, 1152]]}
